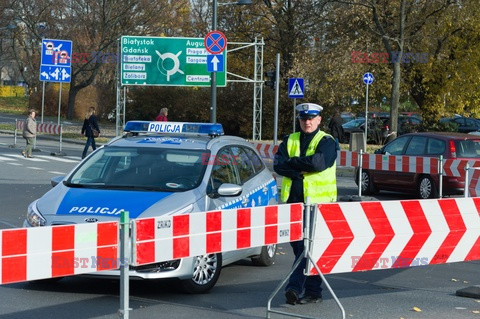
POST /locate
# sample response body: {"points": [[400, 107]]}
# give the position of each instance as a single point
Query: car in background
{"points": [[375, 131], [463, 124], [347, 117], [451, 145], [164, 168]]}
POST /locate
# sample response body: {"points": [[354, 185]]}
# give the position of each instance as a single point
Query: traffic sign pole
{"points": [[366, 121], [367, 79]]}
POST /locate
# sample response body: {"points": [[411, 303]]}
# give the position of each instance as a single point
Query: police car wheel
{"points": [[206, 271], [266, 257]]}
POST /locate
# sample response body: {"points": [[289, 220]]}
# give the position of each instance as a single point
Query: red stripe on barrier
{"points": [[474, 253], [434, 165], [181, 225], [271, 218], [296, 215], [145, 231], [14, 242], [243, 221], [418, 164], [63, 250], [343, 158], [405, 163], [214, 224], [378, 161], [391, 163], [421, 232], [457, 230], [107, 234], [355, 159], [214, 221], [214, 242], [383, 235], [342, 236], [14, 268], [181, 247]]}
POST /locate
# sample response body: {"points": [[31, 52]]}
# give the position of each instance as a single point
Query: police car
{"points": [[164, 168]]}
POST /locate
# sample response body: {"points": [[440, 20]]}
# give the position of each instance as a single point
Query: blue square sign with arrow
{"points": [[215, 63]]}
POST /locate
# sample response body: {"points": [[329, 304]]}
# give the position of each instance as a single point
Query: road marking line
{"points": [[37, 168], [3, 158], [65, 160], [15, 164], [56, 172]]}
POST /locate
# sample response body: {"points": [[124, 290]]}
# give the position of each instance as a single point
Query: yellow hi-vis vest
{"points": [[321, 187]]}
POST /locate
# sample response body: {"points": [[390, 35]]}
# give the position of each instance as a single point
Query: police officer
{"points": [[306, 160]]}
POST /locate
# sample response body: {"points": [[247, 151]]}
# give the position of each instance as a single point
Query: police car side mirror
{"points": [[228, 190], [56, 180]]}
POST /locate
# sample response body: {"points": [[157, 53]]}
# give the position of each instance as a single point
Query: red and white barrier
{"points": [[49, 128], [266, 150], [56, 251], [360, 236], [179, 236]]}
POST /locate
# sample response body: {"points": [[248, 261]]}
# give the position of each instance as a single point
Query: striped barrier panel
{"points": [[57, 251], [50, 128], [361, 236], [266, 150], [407, 164], [179, 236]]}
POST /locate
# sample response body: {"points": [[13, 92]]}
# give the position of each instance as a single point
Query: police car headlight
{"points": [[34, 218]]}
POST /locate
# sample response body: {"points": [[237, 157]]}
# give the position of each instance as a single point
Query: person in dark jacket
{"points": [[336, 128], [306, 160], [89, 124]]}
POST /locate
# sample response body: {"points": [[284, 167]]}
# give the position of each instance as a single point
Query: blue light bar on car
{"points": [[173, 127]]}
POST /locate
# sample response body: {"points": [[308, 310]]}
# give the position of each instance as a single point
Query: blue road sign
{"points": [[55, 73], [215, 42], [368, 78], [296, 88], [215, 63], [56, 60]]}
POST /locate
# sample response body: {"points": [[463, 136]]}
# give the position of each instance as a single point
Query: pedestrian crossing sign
{"points": [[295, 88]]}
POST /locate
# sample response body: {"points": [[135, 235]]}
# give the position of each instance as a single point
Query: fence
{"points": [[346, 237], [406, 164]]}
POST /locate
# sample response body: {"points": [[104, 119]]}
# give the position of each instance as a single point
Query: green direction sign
{"points": [[166, 62]]}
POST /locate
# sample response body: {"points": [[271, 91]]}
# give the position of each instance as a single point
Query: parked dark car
{"points": [[451, 145], [463, 124], [375, 131]]}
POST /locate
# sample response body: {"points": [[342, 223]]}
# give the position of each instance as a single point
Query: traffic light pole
{"points": [[277, 84]]}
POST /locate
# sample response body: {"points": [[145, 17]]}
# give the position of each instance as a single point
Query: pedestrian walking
{"points": [[162, 116], [90, 129], [29, 133], [306, 160]]}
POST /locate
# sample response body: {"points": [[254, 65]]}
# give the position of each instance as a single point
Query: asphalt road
{"points": [[242, 290]]}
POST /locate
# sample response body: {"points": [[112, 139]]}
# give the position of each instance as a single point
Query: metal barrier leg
{"points": [[124, 265], [308, 231]]}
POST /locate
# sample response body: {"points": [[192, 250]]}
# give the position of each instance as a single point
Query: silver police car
{"points": [[164, 168]]}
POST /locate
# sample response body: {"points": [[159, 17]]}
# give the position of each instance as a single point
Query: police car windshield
{"points": [[139, 168]]}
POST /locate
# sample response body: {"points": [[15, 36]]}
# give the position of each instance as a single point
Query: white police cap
{"points": [[308, 110]]}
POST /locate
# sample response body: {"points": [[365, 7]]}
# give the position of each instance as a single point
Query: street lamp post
{"points": [[213, 79]]}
